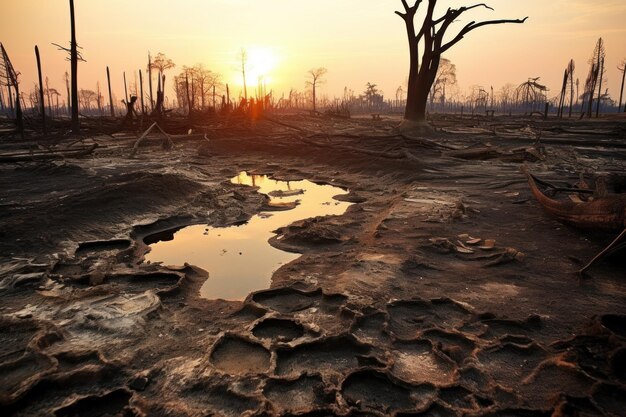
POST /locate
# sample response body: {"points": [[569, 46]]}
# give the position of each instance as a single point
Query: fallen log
{"points": [[47, 155], [605, 213]]}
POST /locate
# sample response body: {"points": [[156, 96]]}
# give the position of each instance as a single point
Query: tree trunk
{"points": [[2, 101], [187, 91], [601, 69], [41, 100], [74, 70], [150, 83], [110, 95], [621, 91], [143, 108], [125, 88]]}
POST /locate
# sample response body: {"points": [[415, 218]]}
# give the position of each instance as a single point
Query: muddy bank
{"points": [[381, 315]]}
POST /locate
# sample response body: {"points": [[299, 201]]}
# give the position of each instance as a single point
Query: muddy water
{"points": [[239, 259]]}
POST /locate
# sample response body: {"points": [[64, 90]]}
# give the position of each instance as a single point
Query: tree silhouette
{"points": [[430, 37], [316, 75], [161, 63], [622, 68]]}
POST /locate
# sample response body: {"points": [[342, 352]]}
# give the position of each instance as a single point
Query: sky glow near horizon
{"points": [[359, 41]]}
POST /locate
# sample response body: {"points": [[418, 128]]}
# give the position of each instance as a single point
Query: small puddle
{"points": [[239, 259]]}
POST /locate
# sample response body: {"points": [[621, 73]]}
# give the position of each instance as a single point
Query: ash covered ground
{"points": [[392, 309]]}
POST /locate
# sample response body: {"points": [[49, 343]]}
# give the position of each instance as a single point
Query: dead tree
{"points": [[189, 99], [130, 111], [531, 94], [316, 75], [12, 81], [161, 63], [110, 95], [622, 68], [571, 68], [6, 74], [74, 70], [595, 74], [143, 108], [562, 95], [41, 100], [125, 88], [430, 37], [568, 80], [66, 77], [150, 82]]}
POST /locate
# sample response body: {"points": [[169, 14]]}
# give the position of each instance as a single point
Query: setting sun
{"points": [[260, 63]]}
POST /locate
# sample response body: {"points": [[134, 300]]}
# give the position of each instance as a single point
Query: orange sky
{"points": [[359, 41]]}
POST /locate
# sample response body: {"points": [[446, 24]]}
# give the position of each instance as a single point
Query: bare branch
{"points": [[410, 11], [473, 25], [69, 51], [454, 13]]}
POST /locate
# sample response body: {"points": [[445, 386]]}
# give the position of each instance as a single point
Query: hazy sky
{"points": [[358, 41]]}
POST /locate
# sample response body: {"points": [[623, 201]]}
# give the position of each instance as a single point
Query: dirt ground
{"points": [[392, 309]]}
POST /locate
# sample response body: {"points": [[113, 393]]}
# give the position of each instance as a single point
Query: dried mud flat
{"points": [[392, 309]]}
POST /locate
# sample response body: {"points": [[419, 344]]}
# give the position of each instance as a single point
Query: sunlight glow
{"points": [[261, 62]]}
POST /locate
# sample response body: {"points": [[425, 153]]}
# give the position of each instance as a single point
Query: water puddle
{"points": [[239, 259]]}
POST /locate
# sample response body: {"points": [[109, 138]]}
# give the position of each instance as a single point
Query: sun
{"points": [[261, 62]]}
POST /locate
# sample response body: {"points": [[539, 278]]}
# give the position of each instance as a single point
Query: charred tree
{"points": [[430, 37], [315, 75], [562, 95], [110, 95], [74, 71], [600, 76], [130, 112], [41, 100], [571, 68], [622, 68], [150, 82], [161, 63], [189, 100], [143, 108], [595, 75], [12, 81], [125, 88], [66, 77]]}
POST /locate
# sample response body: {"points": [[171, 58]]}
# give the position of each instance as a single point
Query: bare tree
{"points": [[74, 57], [161, 63], [600, 56], [595, 73], [316, 78], [446, 76], [86, 97], [531, 94], [571, 68], [41, 92], [66, 78], [430, 36], [568, 79], [622, 68], [506, 96], [12, 81], [74, 69]]}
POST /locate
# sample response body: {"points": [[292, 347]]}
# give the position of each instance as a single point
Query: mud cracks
{"points": [[305, 352], [285, 351]]}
